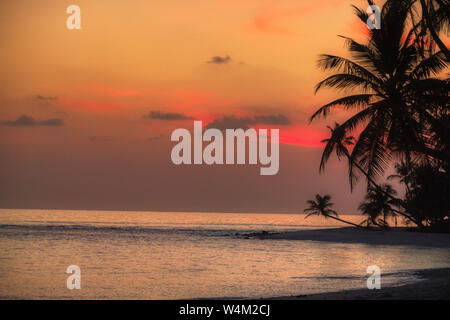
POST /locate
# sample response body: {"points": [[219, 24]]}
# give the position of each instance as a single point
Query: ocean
{"points": [[184, 255]]}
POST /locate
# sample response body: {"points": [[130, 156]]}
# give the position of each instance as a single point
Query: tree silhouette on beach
{"points": [[321, 206], [399, 102], [378, 204], [393, 79]]}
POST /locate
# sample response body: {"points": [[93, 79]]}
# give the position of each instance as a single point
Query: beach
{"points": [[396, 236], [430, 284], [434, 284]]}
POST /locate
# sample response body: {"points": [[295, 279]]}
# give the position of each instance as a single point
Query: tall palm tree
{"points": [[398, 99], [339, 142], [322, 207]]}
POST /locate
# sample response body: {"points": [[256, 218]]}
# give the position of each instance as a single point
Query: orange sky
{"points": [[136, 56]]}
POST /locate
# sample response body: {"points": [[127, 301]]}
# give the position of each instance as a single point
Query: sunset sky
{"points": [[86, 115]]}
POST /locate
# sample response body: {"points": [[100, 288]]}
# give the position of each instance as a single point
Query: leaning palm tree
{"points": [[322, 207], [399, 98]]}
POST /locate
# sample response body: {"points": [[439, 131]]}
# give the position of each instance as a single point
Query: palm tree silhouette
{"points": [[435, 17], [339, 142], [398, 103], [404, 173], [368, 209], [321, 206], [378, 203]]}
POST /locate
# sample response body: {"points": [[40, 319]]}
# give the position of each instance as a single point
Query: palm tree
{"points": [[340, 141], [435, 17], [404, 173], [379, 204], [369, 210], [398, 102], [322, 207]]}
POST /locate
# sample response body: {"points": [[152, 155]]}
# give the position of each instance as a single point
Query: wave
{"points": [[403, 274]]}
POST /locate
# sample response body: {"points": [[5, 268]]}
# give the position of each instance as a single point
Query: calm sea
{"points": [[155, 255]]}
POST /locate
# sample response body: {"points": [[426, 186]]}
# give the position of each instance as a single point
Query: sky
{"points": [[86, 115]]}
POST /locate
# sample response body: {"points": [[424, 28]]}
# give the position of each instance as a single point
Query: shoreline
{"points": [[399, 236], [434, 284]]}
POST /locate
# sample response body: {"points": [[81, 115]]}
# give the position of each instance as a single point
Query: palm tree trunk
{"points": [[347, 222], [417, 222]]}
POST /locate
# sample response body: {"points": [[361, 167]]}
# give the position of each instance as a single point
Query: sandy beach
{"points": [[397, 236], [434, 284]]}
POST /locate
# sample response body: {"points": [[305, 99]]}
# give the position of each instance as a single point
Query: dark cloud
{"points": [[61, 113], [45, 98], [30, 121], [220, 60], [158, 115], [232, 122], [52, 122], [273, 119]]}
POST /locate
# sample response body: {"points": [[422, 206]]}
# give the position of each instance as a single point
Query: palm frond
{"points": [[345, 81], [429, 66], [356, 101]]}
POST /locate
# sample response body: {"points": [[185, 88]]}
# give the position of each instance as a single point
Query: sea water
{"points": [[181, 255]]}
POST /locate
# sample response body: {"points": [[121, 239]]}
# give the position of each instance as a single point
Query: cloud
{"points": [[45, 98], [279, 119], [61, 113], [51, 122], [220, 60], [232, 122], [30, 121], [158, 115]]}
